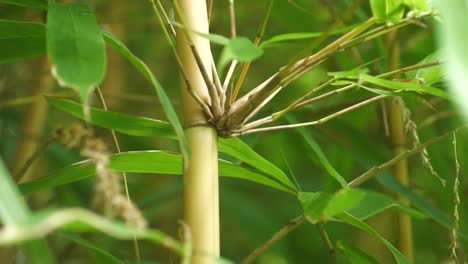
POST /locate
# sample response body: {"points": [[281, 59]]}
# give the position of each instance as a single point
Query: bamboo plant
{"points": [[220, 107]]}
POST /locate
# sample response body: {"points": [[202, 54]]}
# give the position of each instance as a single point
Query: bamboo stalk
{"points": [[201, 204], [397, 140]]}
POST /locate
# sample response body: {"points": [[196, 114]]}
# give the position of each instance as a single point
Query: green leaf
{"points": [[75, 47], [405, 86], [243, 50], [287, 37], [374, 203], [236, 148], [387, 10], [123, 123], [349, 219], [13, 211], [430, 75], [321, 156], [39, 4], [141, 126], [99, 254], [322, 206], [240, 49], [214, 38], [355, 255], [152, 161], [146, 72], [80, 220], [453, 39], [19, 40], [416, 5]]}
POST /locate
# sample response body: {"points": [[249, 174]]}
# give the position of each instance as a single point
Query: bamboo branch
{"points": [[312, 123], [291, 226], [245, 68], [327, 242]]}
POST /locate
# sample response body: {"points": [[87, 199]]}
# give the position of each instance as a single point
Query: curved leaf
{"points": [[354, 255], [142, 126], [154, 161], [146, 72]]}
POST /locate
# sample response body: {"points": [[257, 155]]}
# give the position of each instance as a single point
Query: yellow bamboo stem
{"points": [[201, 203], [397, 137]]}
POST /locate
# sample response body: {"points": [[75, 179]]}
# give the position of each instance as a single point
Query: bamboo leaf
{"points": [[19, 40], [355, 255], [351, 220], [406, 86], [416, 5], [142, 126], [387, 10], [322, 206], [75, 47], [123, 123], [243, 50], [13, 211], [146, 72], [321, 156], [39, 4], [41, 224], [236, 148], [374, 203], [158, 162], [99, 254], [453, 39]]}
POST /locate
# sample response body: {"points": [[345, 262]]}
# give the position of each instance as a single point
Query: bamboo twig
{"points": [[245, 68], [124, 174], [312, 123], [291, 226], [327, 242]]}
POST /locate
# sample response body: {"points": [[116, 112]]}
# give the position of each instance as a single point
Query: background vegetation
{"points": [[250, 213]]}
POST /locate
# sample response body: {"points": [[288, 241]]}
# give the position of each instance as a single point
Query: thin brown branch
{"points": [[27, 164], [291, 226], [327, 242], [377, 169]]}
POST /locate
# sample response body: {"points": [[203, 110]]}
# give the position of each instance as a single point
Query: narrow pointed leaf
{"points": [[146, 72], [142, 126], [158, 162], [355, 255], [351, 220], [19, 40]]}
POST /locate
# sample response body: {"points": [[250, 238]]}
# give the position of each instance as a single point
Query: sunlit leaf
{"points": [[75, 47], [387, 10], [349, 219], [416, 5], [322, 206], [20, 40], [157, 162]]}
